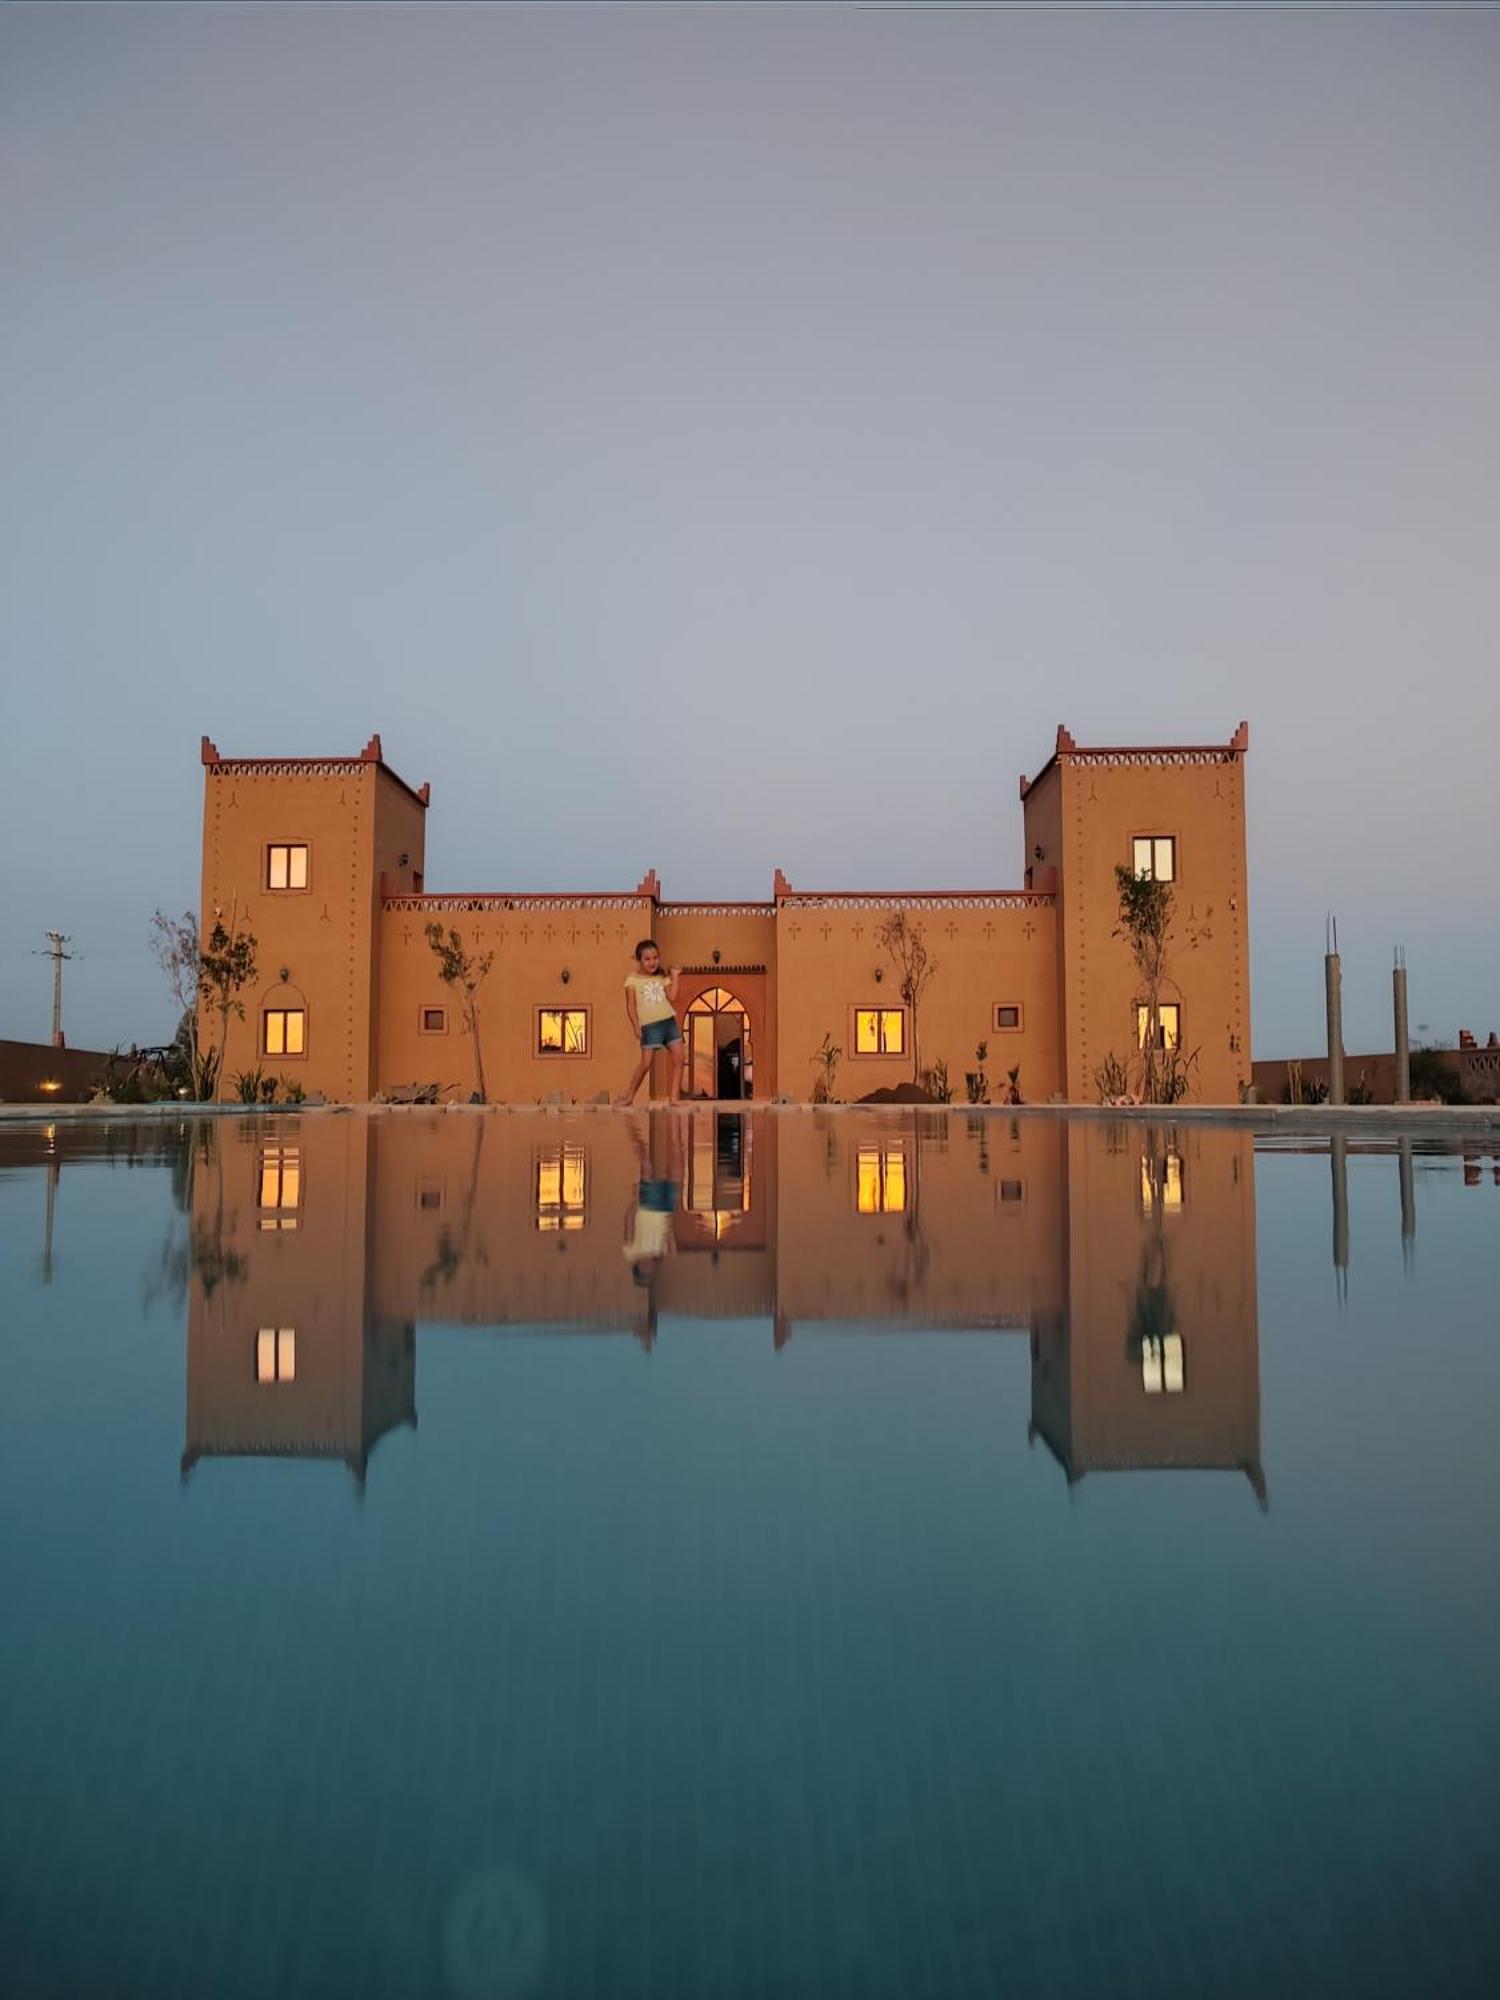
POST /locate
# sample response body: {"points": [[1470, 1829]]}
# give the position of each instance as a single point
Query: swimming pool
{"points": [[900, 1553]]}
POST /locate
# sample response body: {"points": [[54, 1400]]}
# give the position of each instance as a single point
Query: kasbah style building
{"points": [[322, 859]]}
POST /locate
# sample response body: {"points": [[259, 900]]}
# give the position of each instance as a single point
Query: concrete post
{"points": [[1333, 982], [1408, 1200], [1338, 1159], [1403, 1047]]}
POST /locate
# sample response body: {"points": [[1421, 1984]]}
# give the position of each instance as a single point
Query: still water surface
{"points": [[905, 1554]]}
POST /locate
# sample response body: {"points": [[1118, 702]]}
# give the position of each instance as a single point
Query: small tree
{"points": [[976, 1081], [915, 971], [225, 966], [1145, 923], [826, 1062], [174, 945], [467, 970]]}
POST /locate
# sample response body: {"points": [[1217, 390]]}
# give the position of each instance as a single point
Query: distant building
{"points": [[322, 858]]}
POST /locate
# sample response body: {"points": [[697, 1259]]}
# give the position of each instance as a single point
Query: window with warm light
{"points": [[880, 1180], [879, 1031], [562, 1179], [562, 1031], [433, 1021], [276, 1354], [278, 1194], [1161, 1183], [1161, 1364], [284, 1031], [286, 865], [1154, 856], [1168, 1025]]}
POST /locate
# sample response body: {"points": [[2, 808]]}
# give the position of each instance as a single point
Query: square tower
{"points": [[299, 850], [1175, 812]]}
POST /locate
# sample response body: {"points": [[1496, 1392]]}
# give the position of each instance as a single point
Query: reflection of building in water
{"points": [[289, 1353], [1127, 1254], [1153, 1358]]}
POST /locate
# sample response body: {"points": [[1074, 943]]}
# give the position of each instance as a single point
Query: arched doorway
{"points": [[719, 1058]]}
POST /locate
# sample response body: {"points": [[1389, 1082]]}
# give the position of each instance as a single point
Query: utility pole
{"points": [[57, 951], [1403, 1047]]}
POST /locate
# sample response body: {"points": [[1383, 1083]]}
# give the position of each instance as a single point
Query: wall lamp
{"points": [[566, 975], [879, 974]]}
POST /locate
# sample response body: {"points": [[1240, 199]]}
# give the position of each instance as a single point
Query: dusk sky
{"points": [[722, 439]]}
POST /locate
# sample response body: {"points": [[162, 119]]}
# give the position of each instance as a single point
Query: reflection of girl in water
{"points": [[648, 1227]]}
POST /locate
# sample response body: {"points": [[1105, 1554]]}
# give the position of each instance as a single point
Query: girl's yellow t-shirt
{"points": [[651, 1002]]}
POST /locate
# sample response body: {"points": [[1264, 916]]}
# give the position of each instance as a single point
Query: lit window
{"points": [[1168, 1025], [276, 1354], [562, 1180], [562, 1031], [434, 1020], [1007, 1019], [879, 1031], [1155, 856], [286, 866], [1161, 1364], [279, 1187], [1161, 1183], [880, 1181], [284, 1031]]}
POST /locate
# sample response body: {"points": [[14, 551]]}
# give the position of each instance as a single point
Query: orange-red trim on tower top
{"points": [[1137, 754], [371, 754]]}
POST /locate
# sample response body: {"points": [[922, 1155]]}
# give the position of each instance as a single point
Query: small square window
{"points": [[278, 1194], [562, 1031], [433, 1021], [1168, 1025], [429, 1193], [562, 1181], [1161, 1183], [1161, 1364], [1011, 1194], [880, 1180], [1007, 1017], [879, 1031], [1154, 856], [286, 865], [284, 1031], [276, 1354]]}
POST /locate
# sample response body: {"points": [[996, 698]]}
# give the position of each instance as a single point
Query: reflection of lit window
{"points": [[279, 1188], [562, 1188], [879, 1031], [562, 1031], [1161, 1364], [1155, 857], [1168, 1024], [880, 1181], [434, 1020], [276, 1354], [1161, 1183], [284, 1031], [286, 866]]}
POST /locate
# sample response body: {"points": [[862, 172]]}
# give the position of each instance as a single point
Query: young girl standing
{"points": [[650, 994]]}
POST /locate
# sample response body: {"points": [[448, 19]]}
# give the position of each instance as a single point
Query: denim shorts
{"points": [[661, 1034]]}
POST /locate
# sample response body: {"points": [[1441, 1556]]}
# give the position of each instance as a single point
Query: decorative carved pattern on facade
{"points": [[498, 902], [716, 909], [933, 899], [1145, 760], [284, 767]]}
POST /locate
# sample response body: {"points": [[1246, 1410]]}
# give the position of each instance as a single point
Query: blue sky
{"points": [[723, 439]]}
